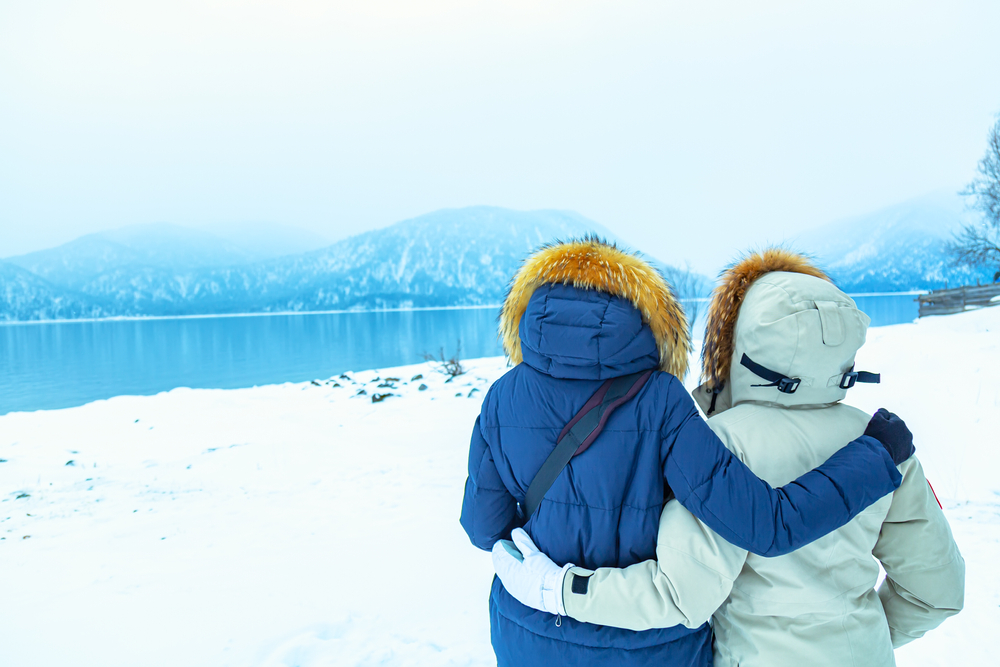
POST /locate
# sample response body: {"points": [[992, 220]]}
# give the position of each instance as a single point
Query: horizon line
{"points": [[204, 316]]}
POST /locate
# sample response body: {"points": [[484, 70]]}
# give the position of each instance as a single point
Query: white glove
{"points": [[529, 575]]}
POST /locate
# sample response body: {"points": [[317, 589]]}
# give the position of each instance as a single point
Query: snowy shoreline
{"points": [[303, 524]]}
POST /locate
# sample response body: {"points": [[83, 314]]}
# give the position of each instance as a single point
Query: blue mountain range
{"points": [[897, 249], [454, 257]]}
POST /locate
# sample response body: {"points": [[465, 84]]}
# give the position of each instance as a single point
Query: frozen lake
{"points": [[64, 364]]}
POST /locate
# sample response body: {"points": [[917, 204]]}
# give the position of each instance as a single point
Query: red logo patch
{"points": [[935, 494]]}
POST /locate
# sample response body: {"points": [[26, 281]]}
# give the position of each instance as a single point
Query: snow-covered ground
{"points": [[303, 524]]}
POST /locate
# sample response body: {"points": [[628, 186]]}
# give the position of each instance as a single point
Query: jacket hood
{"points": [[610, 275], [785, 315]]}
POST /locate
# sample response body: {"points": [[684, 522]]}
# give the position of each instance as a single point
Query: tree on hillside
{"points": [[978, 244]]}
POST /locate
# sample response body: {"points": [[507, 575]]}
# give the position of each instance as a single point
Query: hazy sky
{"points": [[690, 129]]}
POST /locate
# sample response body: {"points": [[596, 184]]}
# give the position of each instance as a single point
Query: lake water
{"points": [[63, 364]]}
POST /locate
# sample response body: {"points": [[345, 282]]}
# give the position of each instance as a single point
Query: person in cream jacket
{"points": [[777, 361]]}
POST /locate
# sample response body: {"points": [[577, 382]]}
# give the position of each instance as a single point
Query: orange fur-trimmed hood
{"points": [[717, 352], [594, 264]]}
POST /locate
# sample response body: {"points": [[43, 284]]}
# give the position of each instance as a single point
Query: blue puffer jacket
{"points": [[604, 509]]}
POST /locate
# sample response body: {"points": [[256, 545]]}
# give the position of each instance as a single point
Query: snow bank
{"points": [[303, 524]]}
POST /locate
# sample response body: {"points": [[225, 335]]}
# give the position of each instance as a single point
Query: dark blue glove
{"points": [[891, 431]]}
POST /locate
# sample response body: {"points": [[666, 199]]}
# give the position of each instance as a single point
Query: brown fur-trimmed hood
{"points": [[719, 346], [594, 264]]}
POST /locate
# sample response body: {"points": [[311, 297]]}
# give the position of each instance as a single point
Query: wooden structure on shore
{"points": [[958, 300]]}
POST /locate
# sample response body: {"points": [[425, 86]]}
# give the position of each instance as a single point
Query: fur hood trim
{"points": [[592, 263], [717, 352]]}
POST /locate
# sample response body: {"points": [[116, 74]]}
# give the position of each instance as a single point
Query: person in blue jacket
{"points": [[576, 315]]}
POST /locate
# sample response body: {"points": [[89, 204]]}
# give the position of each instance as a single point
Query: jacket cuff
{"points": [[575, 588], [895, 477]]}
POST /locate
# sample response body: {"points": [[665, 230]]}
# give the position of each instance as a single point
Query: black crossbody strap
{"points": [[580, 433]]}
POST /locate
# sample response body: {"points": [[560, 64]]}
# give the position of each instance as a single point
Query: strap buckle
{"points": [[788, 385], [785, 384], [848, 380]]}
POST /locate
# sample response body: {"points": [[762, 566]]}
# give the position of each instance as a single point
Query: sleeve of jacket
{"points": [[691, 577], [721, 490], [925, 573], [488, 509]]}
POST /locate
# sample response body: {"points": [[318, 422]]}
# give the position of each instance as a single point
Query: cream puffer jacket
{"points": [[818, 605]]}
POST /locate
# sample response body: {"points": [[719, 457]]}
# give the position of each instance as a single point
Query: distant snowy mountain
{"points": [[142, 269], [25, 296], [899, 248], [453, 257], [78, 264], [450, 257]]}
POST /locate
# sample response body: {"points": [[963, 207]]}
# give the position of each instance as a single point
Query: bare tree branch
{"points": [[451, 367], [978, 244]]}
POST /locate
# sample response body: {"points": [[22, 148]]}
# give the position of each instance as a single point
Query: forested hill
{"points": [[452, 257], [897, 249]]}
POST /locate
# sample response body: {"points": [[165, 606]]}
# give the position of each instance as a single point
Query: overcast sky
{"points": [[690, 129]]}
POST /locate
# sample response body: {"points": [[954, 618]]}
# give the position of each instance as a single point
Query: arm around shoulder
{"points": [[718, 488]]}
